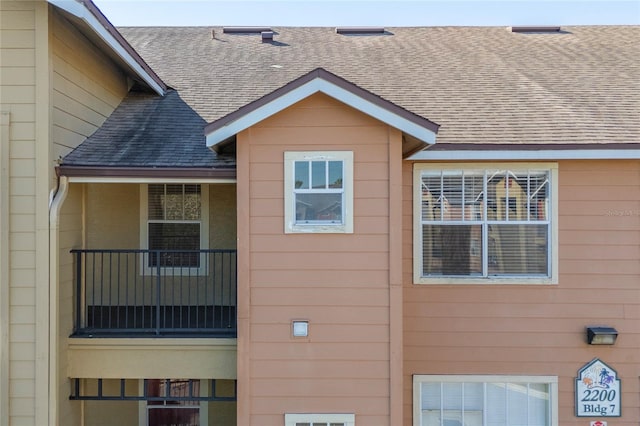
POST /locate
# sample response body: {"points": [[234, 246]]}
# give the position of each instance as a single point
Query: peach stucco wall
{"points": [[540, 329], [338, 282]]}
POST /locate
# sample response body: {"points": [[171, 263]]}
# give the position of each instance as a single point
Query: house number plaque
{"points": [[597, 391]]}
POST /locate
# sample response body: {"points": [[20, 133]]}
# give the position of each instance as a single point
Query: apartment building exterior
{"points": [[294, 226]]}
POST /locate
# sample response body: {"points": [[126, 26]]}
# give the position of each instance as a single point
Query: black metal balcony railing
{"points": [[150, 293]]}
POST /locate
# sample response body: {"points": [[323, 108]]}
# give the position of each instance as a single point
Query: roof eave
{"points": [[89, 13], [320, 81], [139, 174], [528, 152]]}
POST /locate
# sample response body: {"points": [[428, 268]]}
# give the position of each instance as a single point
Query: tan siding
{"points": [[113, 231], [17, 99], [539, 330], [87, 86], [70, 236], [339, 282]]}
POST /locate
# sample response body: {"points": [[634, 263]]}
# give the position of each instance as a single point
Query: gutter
{"points": [[56, 199], [89, 13], [144, 174]]}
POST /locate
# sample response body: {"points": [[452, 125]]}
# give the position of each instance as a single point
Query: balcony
{"points": [[155, 293]]}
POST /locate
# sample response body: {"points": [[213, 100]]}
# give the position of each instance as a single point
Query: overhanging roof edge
{"points": [[88, 12], [320, 80]]}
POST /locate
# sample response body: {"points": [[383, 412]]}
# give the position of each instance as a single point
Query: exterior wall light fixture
{"points": [[601, 335], [300, 328]]}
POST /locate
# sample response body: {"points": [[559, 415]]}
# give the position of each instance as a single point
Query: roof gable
{"points": [[320, 80]]}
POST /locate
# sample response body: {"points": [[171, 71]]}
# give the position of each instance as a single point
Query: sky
{"points": [[388, 13]]}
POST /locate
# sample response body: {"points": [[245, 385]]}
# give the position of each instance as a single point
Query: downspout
{"points": [[56, 200]]}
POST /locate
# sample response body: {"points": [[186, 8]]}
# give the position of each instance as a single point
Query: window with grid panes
{"points": [[319, 192], [319, 420], [484, 223], [485, 400], [174, 224]]}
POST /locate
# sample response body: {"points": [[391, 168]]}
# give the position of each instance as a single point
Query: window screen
{"points": [[485, 402], [174, 225], [485, 223]]}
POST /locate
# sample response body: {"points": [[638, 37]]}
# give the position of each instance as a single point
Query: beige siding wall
{"points": [[87, 86], [118, 413], [70, 236], [17, 99], [55, 89], [338, 282], [540, 330], [121, 230]]}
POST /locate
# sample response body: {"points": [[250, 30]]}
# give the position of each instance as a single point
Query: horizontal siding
{"points": [[17, 97], [339, 282], [540, 330], [87, 86]]}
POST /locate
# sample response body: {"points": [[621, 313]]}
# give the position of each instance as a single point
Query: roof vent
{"points": [[533, 29], [267, 36], [360, 30], [245, 30]]}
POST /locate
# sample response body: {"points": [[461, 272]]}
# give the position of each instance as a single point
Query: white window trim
{"points": [[418, 379], [290, 226], [204, 232], [417, 226], [292, 419]]}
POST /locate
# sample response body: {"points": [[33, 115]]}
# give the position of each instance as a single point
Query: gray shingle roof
{"points": [[147, 130], [480, 84]]}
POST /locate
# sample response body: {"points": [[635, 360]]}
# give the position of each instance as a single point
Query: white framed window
{"points": [[444, 400], [319, 420], [174, 224], [485, 223], [318, 192]]}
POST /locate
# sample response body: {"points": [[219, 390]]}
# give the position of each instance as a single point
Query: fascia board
{"points": [[330, 89], [81, 12], [136, 180], [549, 154]]}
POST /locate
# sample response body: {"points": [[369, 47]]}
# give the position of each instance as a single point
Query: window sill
{"points": [[485, 281], [319, 229]]}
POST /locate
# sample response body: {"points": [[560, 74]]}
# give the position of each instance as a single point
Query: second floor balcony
{"points": [[155, 293]]}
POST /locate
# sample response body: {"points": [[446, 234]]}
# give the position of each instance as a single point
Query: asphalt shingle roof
{"points": [[480, 84]]}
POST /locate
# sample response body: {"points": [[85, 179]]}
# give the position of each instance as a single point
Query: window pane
{"points": [[452, 195], [473, 195], [452, 396], [431, 196], [518, 249], [473, 397], [538, 404], [174, 236], [452, 249], [318, 208], [173, 202], [302, 175], [191, 202], [517, 403], [318, 174], [539, 195], [496, 404], [431, 396], [335, 174]]}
